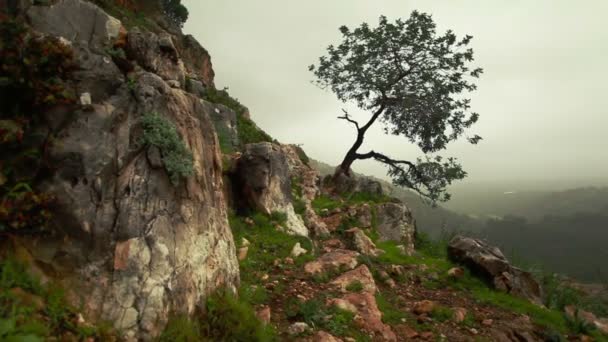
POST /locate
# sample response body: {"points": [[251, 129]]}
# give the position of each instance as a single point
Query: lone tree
{"points": [[411, 79], [175, 11]]}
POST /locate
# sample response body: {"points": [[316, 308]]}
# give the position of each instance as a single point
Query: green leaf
{"points": [[7, 326]]}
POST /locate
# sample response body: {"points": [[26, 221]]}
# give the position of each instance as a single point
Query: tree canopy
{"points": [[175, 11], [412, 80]]}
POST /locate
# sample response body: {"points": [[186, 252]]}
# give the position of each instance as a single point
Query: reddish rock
{"points": [[360, 274], [243, 253], [363, 243], [460, 314], [322, 336], [424, 307], [263, 314], [121, 255], [407, 332], [427, 335], [368, 316], [487, 322], [340, 258], [456, 272]]}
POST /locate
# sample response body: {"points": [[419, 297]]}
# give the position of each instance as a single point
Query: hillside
{"points": [[140, 203]]}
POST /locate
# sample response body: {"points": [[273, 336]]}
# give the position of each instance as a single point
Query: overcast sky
{"points": [[543, 98]]}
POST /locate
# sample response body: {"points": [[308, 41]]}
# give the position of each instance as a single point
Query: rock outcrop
{"points": [[489, 262], [395, 223], [265, 183], [137, 246]]}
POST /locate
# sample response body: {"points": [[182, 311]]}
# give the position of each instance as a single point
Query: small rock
{"points": [[397, 270], [427, 335], [360, 274], [322, 336], [456, 272], [390, 283], [263, 314], [245, 243], [288, 261], [297, 328], [85, 99], [264, 277], [243, 253], [174, 84], [383, 275], [297, 250], [424, 307], [276, 262], [301, 297], [487, 322], [249, 221], [408, 332], [459, 315], [473, 331]]}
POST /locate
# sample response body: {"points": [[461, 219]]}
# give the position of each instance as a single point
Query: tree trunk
{"points": [[350, 157]]}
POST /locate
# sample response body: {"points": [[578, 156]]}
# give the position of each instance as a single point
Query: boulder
{"points": [[265, 183], [77, 21], [332, 261], [489, 263], [355, 183], [395, 223], [367, 314], [362, 275], [363, 244]]}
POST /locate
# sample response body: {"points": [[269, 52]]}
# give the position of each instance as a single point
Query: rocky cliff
{"points": [[129, 243], [167, 200]]}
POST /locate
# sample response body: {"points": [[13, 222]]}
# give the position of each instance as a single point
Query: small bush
{"points": [[228, 319], [160, 132], [181, 329], [442, 313], [334, 320], [325, 202], [250, 133], [223, 97], [302, 155]]}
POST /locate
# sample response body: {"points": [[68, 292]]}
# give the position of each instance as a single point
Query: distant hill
{"points": [[533, 205]]}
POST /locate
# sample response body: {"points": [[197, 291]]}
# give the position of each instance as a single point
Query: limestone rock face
{"points": [[157, 54], [395, 222], [225, 121], [355, 183], [489, 262], [76, 21], [197, 59], [263, 174], [137, 246]]}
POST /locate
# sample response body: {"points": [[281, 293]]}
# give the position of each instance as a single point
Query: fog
{"points": [[543, 98]]}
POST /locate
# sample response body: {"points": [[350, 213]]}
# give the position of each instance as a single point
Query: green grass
{"points": [[354, 286], [390, 313], [334, 320], [324, 202], [442, 313], [22, 320], [250, 133], [225, 318]]}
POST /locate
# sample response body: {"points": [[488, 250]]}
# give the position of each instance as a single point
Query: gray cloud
{"points": [[543, 98]]}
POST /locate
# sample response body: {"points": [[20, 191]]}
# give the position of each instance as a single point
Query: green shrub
{"points": [[23, 320], [161, 133], [228, 319], [442, 313], [175, 11], [34, 71], [302, 155], [181, 329], [334, 320], [223, 97], [250, 133]]}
